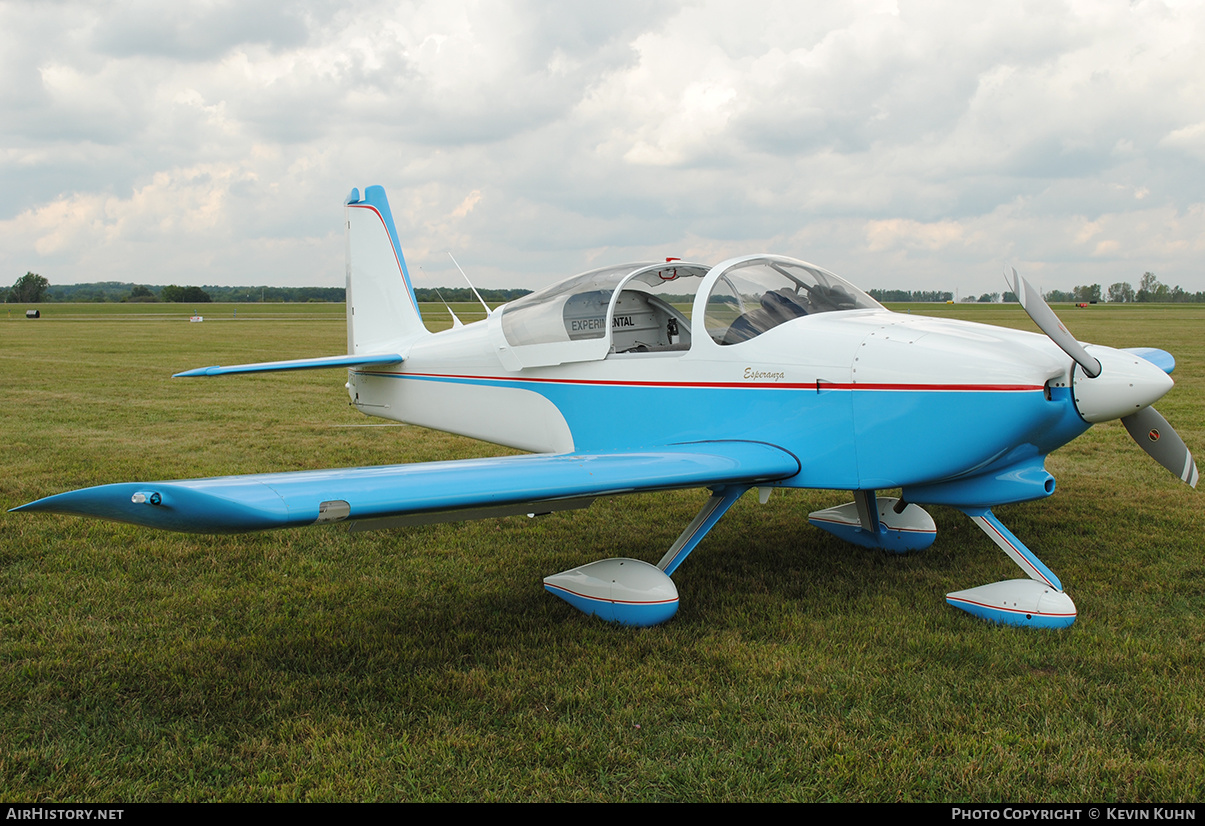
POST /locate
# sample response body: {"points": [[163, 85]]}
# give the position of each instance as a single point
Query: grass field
{"points": [[429, 664]]}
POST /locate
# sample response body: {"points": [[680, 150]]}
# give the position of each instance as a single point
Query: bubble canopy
{"points": [[757, 293], [629, 308], [646, 307]]}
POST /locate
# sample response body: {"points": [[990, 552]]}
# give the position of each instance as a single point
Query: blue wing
{"points": [[435, 491], [294, 364]]}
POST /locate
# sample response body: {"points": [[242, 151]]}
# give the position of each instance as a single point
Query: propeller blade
{"points": [[1154, 435], [1032, 302]]}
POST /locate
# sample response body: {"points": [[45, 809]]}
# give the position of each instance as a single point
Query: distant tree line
{"points": [[276, 294], [1150, 291], [932, 296], [119, 291], [180, 295], [32, 288], [116, 291], [454, 294]]}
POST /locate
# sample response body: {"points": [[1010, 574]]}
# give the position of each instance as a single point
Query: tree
{"points": [[184, 294], [1009, 297], [1086, 293], [1149, 289], [1121, 293], [29, 289], [989, 298], [140, 294]]}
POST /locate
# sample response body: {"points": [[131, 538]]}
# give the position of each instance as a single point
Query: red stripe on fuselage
{"points": [[782, 385]]}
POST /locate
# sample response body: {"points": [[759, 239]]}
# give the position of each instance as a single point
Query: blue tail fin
{"points": [[382, 312]]}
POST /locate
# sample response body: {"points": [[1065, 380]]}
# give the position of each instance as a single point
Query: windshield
{"points": [[758, 294]]}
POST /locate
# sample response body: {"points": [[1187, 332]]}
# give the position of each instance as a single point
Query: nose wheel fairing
{"points": [[1021, 602], [1037, 602], [898, 526]]}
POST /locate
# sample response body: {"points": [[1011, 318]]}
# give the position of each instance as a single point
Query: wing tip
{"points": [[197, 371]]}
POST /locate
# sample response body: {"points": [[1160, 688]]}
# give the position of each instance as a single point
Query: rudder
{"points": [[382, 312]]}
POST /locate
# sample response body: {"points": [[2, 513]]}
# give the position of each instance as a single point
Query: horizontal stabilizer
{"points": [[295, 364], [235, 504]]}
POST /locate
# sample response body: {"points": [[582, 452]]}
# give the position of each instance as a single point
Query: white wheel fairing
{"points": [[1024, 602], [624, 591], [911, 530]]}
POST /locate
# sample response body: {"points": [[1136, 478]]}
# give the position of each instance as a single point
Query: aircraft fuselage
{"points": [[873, 399]]}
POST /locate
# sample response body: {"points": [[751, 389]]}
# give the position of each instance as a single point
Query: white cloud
{"points": [[908, 142], [896, 232]]}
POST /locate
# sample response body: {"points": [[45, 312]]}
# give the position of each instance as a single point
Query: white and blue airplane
{"points": [[759, 372]]}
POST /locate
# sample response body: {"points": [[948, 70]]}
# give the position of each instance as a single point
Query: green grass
{"points": [[429, 664]]}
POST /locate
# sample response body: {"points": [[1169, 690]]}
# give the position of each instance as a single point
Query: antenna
{"points": [[471, 287], [456, 322]]}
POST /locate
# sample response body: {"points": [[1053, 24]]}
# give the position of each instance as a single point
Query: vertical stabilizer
{"points": [[382, 313]]}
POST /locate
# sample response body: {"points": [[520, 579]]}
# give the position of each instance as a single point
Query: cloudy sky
{"points": [[901, 143]]}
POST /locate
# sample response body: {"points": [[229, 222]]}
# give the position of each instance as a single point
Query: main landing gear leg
{"points": [[631, 592], [716, 506], [1037, 602]]}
